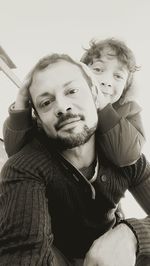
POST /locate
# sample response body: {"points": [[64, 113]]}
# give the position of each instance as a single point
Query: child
{"points": [[120, 129]]}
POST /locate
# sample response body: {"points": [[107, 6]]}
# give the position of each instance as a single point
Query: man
{"points": [[59, 191]]}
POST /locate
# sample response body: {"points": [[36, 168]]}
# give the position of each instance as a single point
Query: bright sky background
{"points": [[30, 29]]}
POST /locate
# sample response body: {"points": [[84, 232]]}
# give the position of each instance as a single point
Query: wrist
{"points": [[21, 103], [20, 119]]}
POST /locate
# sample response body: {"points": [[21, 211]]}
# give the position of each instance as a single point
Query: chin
{"points": [[75, 139]]}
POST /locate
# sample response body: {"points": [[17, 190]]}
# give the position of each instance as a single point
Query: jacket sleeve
{"points": [[120, 133], [25, 225], [18, 128], [139, 175]]}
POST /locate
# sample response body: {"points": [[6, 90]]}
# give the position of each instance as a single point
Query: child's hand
{"points": [[22, 100], [98, 97], [102, 101]]}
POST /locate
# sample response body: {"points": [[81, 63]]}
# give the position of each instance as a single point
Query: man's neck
{"points": [[81, 156]]}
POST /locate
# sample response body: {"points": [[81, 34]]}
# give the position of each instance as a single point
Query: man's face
{"points": [[64, 103], [112, 76]]}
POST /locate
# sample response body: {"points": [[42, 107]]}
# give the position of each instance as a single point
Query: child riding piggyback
{"points": [[120, 128], [120, 131]]}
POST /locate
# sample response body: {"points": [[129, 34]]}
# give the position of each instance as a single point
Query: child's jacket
{"points": [[120, 132]]}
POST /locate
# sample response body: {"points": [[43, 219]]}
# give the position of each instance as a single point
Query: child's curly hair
{"points": [[119, 50]]}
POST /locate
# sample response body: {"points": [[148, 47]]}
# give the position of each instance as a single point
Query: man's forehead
{"points": [[57, 75], [58, 67]]}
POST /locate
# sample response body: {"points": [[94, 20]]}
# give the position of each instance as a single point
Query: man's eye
{"points": [[45, 103]]}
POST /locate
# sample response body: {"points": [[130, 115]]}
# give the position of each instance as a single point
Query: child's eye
{"points": [[97, 69], [118, 76], [72, 91]]}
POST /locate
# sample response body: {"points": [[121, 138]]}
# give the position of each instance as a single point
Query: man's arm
{"points": [[130, 239], [25, 226], [140, 188]]}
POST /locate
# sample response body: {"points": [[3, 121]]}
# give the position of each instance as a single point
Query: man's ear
{"points": [[36, 116], [39, 122]]}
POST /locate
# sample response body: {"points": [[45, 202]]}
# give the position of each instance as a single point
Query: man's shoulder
{"points": [[133, 174], [31, 151], [32, 160]]}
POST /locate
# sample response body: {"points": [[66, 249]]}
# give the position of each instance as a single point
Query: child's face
{"points": [[112, 76]]}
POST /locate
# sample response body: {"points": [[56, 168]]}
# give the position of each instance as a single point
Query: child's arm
{"points": [[18, 129], [120, 133], [20, 126]]}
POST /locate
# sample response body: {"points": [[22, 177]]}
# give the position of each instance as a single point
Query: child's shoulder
{"points": [[128, 108]]}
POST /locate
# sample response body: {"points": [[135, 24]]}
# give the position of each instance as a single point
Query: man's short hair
{"points": [[52, 59]]}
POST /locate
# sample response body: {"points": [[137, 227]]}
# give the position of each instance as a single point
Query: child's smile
{"points": [[112, 76]]}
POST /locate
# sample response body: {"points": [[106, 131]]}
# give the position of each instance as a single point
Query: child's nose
{"points": [[106, 84], [106, 80]]}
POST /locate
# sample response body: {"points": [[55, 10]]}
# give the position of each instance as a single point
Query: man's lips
{"points": [[67, 122]]}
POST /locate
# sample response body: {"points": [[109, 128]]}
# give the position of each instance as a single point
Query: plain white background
{"points": [[33, 28]]}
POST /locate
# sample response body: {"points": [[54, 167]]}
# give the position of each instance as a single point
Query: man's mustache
{"points": [[65, 117]]}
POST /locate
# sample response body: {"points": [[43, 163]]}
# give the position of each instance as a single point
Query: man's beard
{"points": [[69, 139], [73, 140]]}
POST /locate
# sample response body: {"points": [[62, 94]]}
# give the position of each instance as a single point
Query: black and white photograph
{"points": [[74, 133]]}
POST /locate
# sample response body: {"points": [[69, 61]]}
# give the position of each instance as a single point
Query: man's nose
{"points": [[62, 107]]}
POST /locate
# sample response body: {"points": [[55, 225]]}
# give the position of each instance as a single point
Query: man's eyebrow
{"points": [[43, 95]]}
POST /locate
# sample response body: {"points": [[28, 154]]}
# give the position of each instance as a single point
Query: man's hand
{"points": [[22, 100], [117, 247]]}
